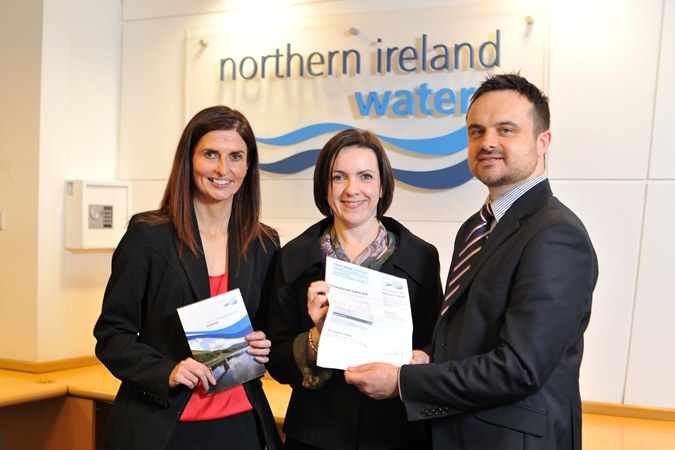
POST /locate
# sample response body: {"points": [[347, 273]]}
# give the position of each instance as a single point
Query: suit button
{"points": [[424, 413], [443, 343]]}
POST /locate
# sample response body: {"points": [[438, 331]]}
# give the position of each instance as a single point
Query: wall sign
{"points": [[406, 75]]}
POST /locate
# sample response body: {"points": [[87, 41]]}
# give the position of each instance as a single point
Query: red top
{"points": [[223, 404]]}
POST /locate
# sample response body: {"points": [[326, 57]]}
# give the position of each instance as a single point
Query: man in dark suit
{"points": [[503, 368]]}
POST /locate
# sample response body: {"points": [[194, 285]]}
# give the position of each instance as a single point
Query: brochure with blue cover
{"points": [[215, 330]]}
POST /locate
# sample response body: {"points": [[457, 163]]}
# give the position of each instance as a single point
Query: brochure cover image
{"points": [[215, 330]]}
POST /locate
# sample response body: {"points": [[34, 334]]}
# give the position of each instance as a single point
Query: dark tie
{"points": [[473, 244]]}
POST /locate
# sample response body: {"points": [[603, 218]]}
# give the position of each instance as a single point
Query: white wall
{"points": [[607, 63], [604, 58], [613, 120], [78, 139], [650, 365], [59, 120]]}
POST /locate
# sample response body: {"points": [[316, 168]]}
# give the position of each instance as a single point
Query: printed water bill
{"points": [[368, 320]]}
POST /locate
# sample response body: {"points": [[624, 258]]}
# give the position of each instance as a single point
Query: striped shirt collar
{"points": [[504, 202]]}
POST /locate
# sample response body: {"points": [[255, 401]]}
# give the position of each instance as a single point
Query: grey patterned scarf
{"points": [[372, 257]]}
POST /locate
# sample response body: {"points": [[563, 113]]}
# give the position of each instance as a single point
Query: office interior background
{"points": [[97, 91]]}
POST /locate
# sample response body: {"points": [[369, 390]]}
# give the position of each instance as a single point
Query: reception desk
{"points": [[68, 409]]}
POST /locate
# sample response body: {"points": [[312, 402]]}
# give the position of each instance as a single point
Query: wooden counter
{"points": [[67, 409], [20, 387], [95, 383]]}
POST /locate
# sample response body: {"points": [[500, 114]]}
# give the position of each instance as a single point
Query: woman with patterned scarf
{"points": [[353, 188]]}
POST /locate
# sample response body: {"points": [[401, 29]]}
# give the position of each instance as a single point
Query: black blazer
{"points": [[338, 416], [140, 338], [506, 356]]}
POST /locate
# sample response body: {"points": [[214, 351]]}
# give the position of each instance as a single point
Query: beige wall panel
{"points": [[21, 32], [651, 365], [603, 60], [612, 213], [662, 164]]}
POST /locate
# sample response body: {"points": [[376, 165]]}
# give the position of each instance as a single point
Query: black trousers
{"points": [[239, 432]]}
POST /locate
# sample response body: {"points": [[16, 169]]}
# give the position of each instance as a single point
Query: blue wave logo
{"points": [[235, 330], [394, 284], [445, 178]]}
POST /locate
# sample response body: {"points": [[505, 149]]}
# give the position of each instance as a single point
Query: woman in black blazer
{"points": [[353, 188], [204, 239]]}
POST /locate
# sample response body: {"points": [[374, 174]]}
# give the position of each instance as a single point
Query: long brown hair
{"points": [[177, 205]]}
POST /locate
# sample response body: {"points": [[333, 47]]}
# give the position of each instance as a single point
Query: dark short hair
{"points": [[541, 115], [326, 160]]}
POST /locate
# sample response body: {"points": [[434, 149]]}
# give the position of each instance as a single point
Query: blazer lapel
{"points": [[195, 266], [238, 269], [241, 270], [507, 225]]}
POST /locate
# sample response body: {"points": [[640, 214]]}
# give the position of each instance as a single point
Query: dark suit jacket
{"points": [[140, 338], [506, 356], [337, 415]]}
